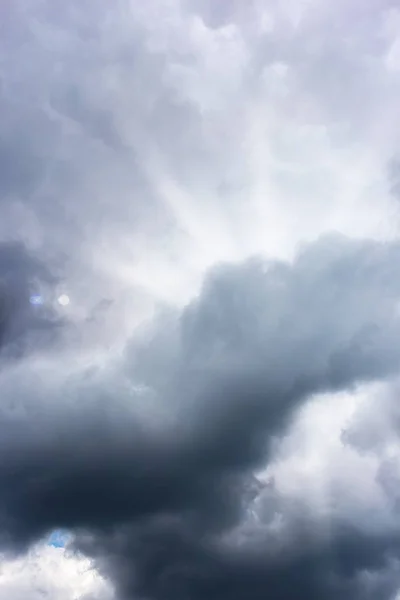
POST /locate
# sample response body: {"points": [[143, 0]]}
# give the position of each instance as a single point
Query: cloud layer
{"points": [[228, 371], [177, 169]]}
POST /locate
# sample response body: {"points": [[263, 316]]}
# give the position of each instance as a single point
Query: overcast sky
{"points": [[214, 185]]}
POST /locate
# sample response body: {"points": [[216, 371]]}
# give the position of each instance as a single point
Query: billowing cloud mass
{"points": [[214, 186]]}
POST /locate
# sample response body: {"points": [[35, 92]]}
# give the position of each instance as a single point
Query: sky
{"points": [[205, 197]]}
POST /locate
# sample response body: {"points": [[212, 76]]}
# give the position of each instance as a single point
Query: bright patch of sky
{"points": [[59, 539]]}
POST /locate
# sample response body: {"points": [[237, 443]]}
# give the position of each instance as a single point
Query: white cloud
{"points": [[48, 572], [315, 463]]}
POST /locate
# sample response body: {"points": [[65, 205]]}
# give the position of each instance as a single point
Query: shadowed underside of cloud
{"points": [[163, 560], [156, 492]]}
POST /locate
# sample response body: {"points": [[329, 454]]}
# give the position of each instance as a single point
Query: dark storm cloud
{"points": [[224, 377], [164, 560], [23, 325]]}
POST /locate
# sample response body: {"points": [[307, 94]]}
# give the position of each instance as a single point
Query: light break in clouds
{"points": [[214, 188]]}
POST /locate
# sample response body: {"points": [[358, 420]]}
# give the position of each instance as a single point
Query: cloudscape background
{"points": [[215, 186]]}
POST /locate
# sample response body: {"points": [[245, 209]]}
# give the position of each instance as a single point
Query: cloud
{"points": [[23, 326], [47, 572], [229, 371], [172, 167], [170, 562]]}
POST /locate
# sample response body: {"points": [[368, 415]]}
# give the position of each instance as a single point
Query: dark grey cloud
{"points": [[225, 376], [23, 326], [164, 560]]}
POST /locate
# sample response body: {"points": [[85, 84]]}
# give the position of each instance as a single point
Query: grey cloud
{"points": [[259, 339], [164, 559], [394, 177], [150, 459], [57, 133], [376, 423], [24, 327], [214, 15]]}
